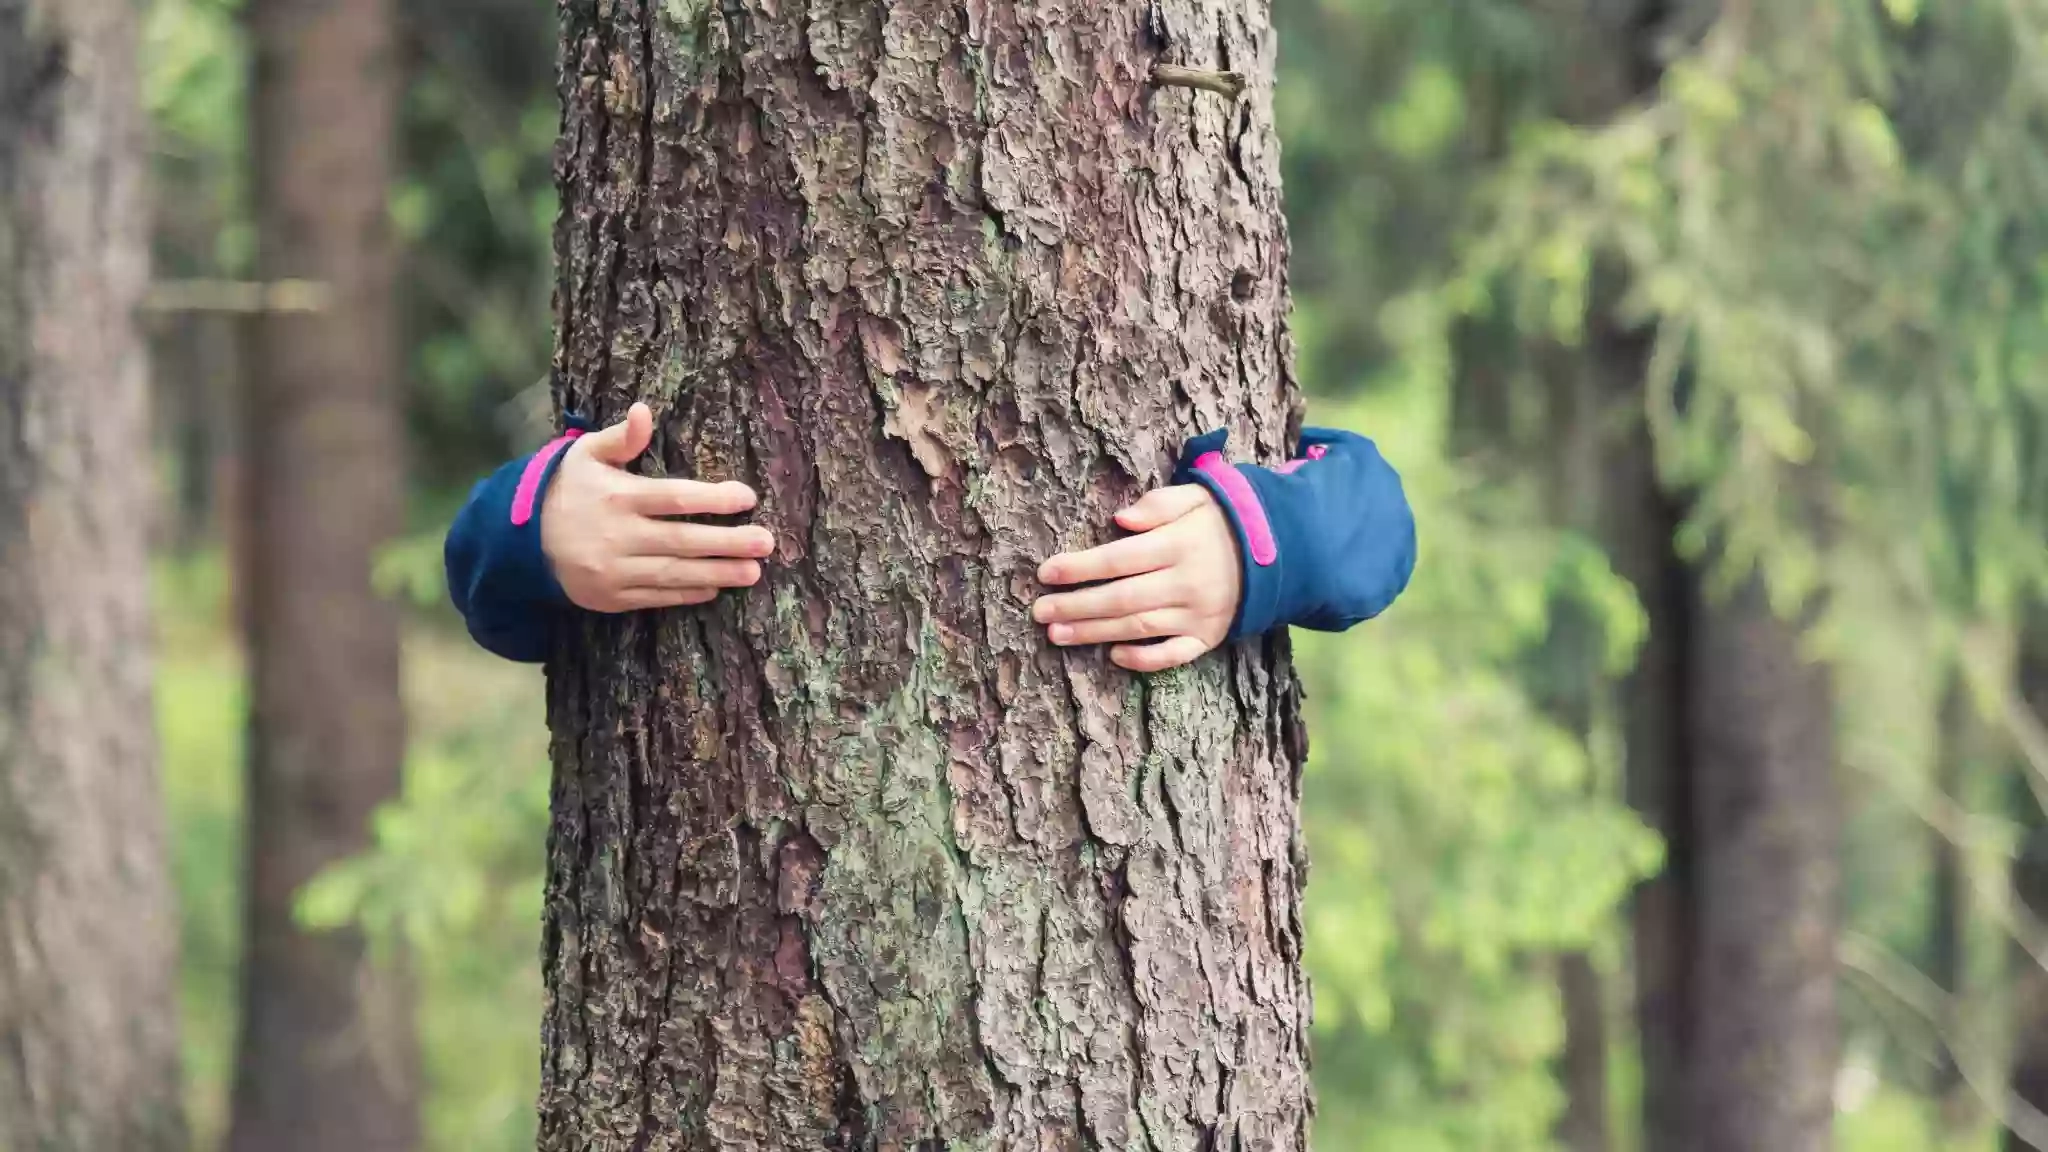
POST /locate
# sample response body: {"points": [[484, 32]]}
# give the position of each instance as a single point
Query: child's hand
{"points": [[602, 528], [1176, 581]]}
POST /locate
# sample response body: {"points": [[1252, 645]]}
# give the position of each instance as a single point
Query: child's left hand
{"points": [[1176, 581]]}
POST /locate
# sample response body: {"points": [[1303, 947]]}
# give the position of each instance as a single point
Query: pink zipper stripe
{"points": [[1258, 532], [529, 480]]}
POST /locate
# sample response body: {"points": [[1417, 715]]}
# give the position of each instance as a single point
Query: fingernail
{"points": [[1061, 633], [1048, 573], [1040, 611]]}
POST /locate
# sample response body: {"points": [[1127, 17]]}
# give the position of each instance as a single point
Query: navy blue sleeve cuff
{"points": [[498, 574], [1325, 541]]}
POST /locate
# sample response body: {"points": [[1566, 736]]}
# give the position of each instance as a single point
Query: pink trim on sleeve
{"points": [[1244, 501], [529, 480], [1315, 452]]}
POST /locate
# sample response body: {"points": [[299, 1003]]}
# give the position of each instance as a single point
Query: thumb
{"points": [[622, 443], [1162, 506]]}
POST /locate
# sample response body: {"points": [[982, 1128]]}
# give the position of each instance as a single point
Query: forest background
{"points": [[1803, 244]]}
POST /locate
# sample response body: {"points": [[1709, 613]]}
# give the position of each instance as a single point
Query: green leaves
{"points": [[1458, 834], [454, 878]]}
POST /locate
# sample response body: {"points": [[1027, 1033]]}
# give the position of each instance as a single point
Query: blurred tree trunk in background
{"points": [[1583, 1066], [855, 860], [1569, 693], [327, 1061], [1640, 524], [1729, 736], [1960, 744], [1612, 66], [88, 945], [1766, 813], [1729, 728]]}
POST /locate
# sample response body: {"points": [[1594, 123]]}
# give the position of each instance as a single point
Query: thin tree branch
{"points": [[237, 297], [1952, 821], [2030, 736], [1229, 85], [1909, 987]]}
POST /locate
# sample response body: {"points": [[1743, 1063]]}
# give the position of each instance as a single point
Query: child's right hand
{"points": [[605, 536]]}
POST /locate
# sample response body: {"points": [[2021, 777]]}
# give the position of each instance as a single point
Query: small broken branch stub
{"points": [[1229, 85]]}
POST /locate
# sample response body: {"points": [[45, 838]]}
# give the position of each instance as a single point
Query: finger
{"points": [[660, 538], [622, 443], [643, 572], [646, 599], [1162, 506], [1143, 626], [1125, 597], [1132, 556], [1161, 656], [651, 497]]}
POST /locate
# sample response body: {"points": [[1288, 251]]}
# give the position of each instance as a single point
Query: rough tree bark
{"points": [[87, 921], [327, 1056], [855, 860]]}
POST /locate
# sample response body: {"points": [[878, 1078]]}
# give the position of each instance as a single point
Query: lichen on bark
{"points": [[855, 860]]}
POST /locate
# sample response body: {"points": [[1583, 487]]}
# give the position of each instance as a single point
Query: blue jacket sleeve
{"points": [[498, 575], [1326, 541]]}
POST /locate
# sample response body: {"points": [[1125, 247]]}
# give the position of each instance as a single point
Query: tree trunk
{"points": [[1946, 942], [1640, 522], [88, 932], [1729, 735], [327, 1059], [1611, 65], [1729, 730], [855, 860], [1582, 1067], [1766, 813]]}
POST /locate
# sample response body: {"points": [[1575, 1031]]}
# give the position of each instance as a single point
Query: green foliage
{"points": [[200, 706], [1818, 265], [194, 69], [475, 207], [1459, 837], [1831, 218], [455, 881]]}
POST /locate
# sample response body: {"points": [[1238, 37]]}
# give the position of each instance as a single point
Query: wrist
{"points": [[1260, 567]]}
